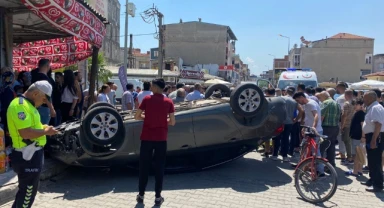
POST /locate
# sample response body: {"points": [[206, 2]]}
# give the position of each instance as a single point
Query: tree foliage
{"points": [[103, 74]]}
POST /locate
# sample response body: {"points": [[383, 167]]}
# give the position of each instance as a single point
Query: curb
{"points": [[9, 183]]}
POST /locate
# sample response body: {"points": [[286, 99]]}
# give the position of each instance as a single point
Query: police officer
{"points": [[28, 137]]}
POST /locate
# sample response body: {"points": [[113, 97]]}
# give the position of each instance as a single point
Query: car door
{"points": [[181, 136], [213, 126]]}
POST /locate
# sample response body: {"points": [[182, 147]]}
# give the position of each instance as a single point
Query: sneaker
{"points": [[286, 159], [159, 201], [275, 158], [365, 169], [139, 199]]}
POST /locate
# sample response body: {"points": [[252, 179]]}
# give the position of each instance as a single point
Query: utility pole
{"points": [[149, 16], [131, 52], [126, 37], [161, 50]]}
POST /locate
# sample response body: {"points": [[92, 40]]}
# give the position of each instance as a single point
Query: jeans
{"points": [[283, 138], [157, 151], [295, 139], [375, 162], [57, 120], [45, 114], [332, 132], [320, 167]]}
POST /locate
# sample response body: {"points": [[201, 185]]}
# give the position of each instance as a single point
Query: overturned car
{"points": [[207, 133]]}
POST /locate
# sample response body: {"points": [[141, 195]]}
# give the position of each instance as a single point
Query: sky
{"points": [[258, 23]]}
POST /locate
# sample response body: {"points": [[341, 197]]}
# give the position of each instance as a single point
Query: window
{"points": [[368, 59], [364, 72], [381, 66], [296, 61], [156, 54]]}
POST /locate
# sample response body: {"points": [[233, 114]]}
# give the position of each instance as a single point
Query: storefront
{"points": [[63, 31]]}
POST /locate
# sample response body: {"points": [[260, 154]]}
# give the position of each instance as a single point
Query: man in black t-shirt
{"points": [[43, 72]]}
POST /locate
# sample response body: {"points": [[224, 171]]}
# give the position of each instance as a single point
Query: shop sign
{"points": [[189, 74], [226, 68]]}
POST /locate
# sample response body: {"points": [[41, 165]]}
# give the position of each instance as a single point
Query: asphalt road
{"points": [[247, 182]]}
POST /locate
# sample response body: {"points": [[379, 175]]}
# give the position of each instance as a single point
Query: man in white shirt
{"points": [[196, 94], [112, 93], [340, 90], [373, 128], [146, 91], [173, 94], [312, 117], [127, 102]]}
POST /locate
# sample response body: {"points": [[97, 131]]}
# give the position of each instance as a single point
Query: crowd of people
{"points": [[32, 103], [353, 120]]}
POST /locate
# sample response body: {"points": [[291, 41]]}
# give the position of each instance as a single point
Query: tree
{"points": [[103, 74]]}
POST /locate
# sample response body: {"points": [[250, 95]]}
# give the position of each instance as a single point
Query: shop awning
{"points": [[43, 26], [60, 51]]}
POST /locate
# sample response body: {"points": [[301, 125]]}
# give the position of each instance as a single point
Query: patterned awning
{"points": [[84, 27], [60, 51]]}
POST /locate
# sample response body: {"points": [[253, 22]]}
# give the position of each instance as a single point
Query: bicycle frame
{"points": [[311, 149]]}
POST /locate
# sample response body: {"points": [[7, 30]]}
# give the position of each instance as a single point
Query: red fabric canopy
{"points": [[61, 52], [69, 16]]}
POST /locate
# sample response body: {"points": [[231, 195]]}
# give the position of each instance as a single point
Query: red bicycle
{"points": [[312, 169]]}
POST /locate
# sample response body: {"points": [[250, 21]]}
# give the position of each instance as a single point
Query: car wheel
{"points": [[100, 104], [103, 126], [218, 88], [247, 100]]}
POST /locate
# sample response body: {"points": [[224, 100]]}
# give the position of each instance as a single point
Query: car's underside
{"points": [[208, 133]]}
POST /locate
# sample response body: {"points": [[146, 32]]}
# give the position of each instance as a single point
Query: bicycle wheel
{"points": [[309, 175]]}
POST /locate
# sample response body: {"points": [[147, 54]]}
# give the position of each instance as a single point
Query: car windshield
{"points": [[293, 83]]}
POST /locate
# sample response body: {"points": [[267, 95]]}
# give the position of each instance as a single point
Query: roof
{"points": [[229, 30], [375, 74], [98, 15], [349, 36]]}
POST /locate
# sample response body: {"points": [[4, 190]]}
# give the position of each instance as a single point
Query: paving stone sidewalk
{"points": [[247, 182]]}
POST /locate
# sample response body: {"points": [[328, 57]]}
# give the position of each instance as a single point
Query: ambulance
{"points": [[292, 77]]}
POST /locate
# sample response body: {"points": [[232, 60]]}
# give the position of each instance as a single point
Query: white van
{"points": [[119, 91], [292, 77]]}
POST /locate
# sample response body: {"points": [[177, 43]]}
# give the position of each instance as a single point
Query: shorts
{"points": [[354, 144]]}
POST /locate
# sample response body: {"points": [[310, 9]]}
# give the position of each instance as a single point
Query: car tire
{"points": [[99, 133], [247, 100], [100, 104], [225, 91]]}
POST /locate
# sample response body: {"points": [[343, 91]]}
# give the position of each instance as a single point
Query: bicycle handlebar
{"points": [[313, 131]]}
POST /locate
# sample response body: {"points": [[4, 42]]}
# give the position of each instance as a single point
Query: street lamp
{"points": [[273, 68], [289, 41]]}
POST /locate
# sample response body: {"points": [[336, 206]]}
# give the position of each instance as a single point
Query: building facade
{"points": [[141, 60], [199, 43], [344, 57], [111, 43], [378, 63]]}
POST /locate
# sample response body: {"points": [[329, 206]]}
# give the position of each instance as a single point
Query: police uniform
{"points": [[22, 114]]}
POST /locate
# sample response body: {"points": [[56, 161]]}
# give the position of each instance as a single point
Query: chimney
{"points": [[199, 19], [181, 20]]}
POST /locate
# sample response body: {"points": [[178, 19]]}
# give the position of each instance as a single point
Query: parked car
{"points": [[211, 132]]}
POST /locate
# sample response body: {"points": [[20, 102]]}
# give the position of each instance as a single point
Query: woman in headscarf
{"points": [[7, 94]]}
